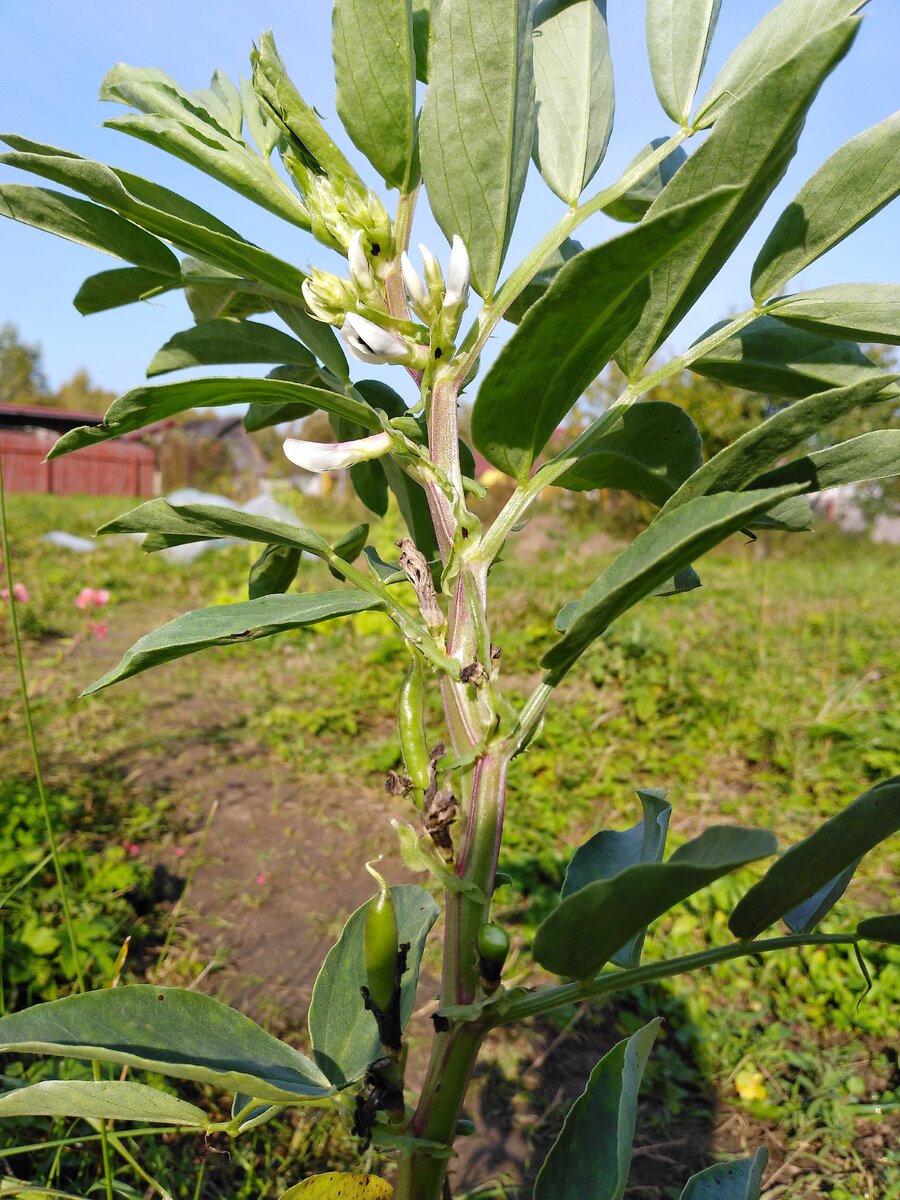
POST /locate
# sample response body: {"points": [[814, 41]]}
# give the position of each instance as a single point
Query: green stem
{"points": [[545, 1000], [45, 808], [77, 1140]]}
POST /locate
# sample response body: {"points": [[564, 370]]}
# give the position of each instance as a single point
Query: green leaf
{"points": [[171, 1031], [146, 405], [588, 927], [262, 128], [567, 338], [232, 624], [87, 224], [375, 71], [274, 571], [203, 129], [477, 126], [783, 33], [739, 1180], [633, 205], [573, 78], [199, 522], [880, 929], [592, 1155], [100, 1100], [806, 916], [539, 284], [227, 340], [157, 210], [610, 851], [874, 455], [856, 182], [122, 285], [650, 449], [670, 543], [749, 150], [868, 312], [283, 104], [685, 580], [679, 34], [421, 22], [770, 356], [211, 292], [343, 1033], [349, 546], [739, 464], [806, 867], [262, 416], [320, 338]]}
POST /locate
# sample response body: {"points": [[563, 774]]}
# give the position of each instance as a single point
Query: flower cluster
{"points": [[20, 593], [90, 598]]}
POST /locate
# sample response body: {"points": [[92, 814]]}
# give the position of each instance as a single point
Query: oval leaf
{"points": [[866, 312], [274, 571], [739, 1180], [583, 933], [573, 78], [146, 405], [771, 356], [806, 916], [610, 851], [477, 125], [336, 1185], [809, 865], [679, 34], [749, 149], [171, 1031], [874, 455], [122, 285], [592, 1155], [228, 341], [343, 1033], [232, 624], [856, 182], [86, 224], [881, 929], [375, 72], [734, 467], [633, 205], [650, 449], [567, 338], [101, 1100], [669, 544]]}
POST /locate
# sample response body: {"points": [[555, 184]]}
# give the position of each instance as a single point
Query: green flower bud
{"points": [[380, 938], [328, 297], [493, 947]]}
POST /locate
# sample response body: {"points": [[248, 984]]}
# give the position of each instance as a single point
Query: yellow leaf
{"points": [[336, 1185], [749, 1085]]}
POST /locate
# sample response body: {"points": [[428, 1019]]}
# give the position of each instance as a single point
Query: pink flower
{"points": [[262, 878], [179, 851], [99, 629], [133, 848], [20, 592], [92, 598]]}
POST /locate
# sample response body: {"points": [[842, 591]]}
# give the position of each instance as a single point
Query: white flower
{"points": [[418, 293], [372, 344], [457, 275], [334, 456], [434, 277], [360, 271]]}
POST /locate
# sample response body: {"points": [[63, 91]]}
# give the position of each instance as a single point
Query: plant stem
{"points": [[544, 1000]]}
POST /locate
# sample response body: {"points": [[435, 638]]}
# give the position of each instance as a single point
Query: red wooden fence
{"points": [[111, 469]]}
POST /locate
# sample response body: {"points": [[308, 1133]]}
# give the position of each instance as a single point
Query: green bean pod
{"points": [[411, 726], [380, 938], [493, 947]]}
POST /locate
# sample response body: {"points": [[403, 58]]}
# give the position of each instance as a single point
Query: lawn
{"points": [[219, 811]]}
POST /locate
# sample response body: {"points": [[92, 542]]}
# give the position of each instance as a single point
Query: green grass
{"points": [[771, 697]]}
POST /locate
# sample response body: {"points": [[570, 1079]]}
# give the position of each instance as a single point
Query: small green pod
{"points": [[381, 937], [493, 947], [411, 727]]}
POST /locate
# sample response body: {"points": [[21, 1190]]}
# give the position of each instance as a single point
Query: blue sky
{"points": [[58, 51]]}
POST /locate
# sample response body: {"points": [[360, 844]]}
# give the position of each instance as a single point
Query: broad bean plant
{"points": [[459, 97]]}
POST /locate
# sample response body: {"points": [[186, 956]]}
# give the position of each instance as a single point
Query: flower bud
{"points": [[434, 278], [371, 344], [327, 296], [420, 297], [457, 274], [334, 456], [360, 271]]}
